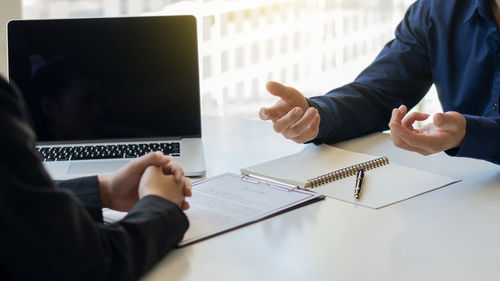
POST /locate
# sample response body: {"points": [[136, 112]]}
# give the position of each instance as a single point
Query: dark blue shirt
{"points": [[451, 43]]}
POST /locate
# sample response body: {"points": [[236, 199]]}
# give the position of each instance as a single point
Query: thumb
{"points": [[448, 121], [290, 98], [264, 113], [289, 94]]}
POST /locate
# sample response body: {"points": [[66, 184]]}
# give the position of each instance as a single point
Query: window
{"points": [[207, 66], [317, 44], [240, 57]]}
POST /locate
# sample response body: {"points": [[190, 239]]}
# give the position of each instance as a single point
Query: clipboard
{"points": [[229, 201]]}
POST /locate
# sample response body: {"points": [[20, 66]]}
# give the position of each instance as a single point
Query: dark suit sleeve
{"points": [[87, 191], [47, 234]]}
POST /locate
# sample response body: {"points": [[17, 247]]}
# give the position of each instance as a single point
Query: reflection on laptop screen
{"points": [[108, 78]]}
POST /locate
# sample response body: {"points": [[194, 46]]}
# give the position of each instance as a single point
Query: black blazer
{"points": [[52, 231]]}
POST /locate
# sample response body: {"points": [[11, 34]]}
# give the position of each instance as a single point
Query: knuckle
{"points": [[398, 143], [286, 135], [293, 132], [277, 127]]}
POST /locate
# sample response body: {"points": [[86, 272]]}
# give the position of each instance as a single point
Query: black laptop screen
{"points": [[107, 78]]}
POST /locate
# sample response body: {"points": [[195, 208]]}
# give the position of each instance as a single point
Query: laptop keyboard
{"points": [[114, 151]]}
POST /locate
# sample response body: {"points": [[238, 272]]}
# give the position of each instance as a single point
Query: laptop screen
{"points": [[108, 78]]}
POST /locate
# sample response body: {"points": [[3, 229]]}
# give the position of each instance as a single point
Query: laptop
{"points": [[103, 91]]}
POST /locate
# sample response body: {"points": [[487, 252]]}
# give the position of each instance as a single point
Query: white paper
{"points": [[382, 186], [385, 185], [226, 201]]}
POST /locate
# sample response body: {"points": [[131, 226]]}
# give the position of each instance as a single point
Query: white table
{"points": [[449, 234]]}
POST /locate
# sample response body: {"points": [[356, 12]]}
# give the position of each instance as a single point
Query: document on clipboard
{"points": [[229, 201]]}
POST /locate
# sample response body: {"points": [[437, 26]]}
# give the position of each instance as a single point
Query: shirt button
{"points": [[494, 106]]}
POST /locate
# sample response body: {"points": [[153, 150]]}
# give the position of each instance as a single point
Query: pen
{"points": [[359, 183]]}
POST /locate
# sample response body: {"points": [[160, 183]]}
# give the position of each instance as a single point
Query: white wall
{"points": [[9, 9]]}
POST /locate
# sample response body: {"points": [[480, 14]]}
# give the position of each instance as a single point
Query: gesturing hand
{"points": [[291, 114], [447, 131], [119, 191]]}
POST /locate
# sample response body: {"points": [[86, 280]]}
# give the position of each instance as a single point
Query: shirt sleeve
{"points": [[482, 139], [47, 234], [399, 75]]}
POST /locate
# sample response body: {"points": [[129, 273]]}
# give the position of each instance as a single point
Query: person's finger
{"points": [[264, 114], [396, 133], [424, 144], [396, 116], [185, 205], [153, 158], [448, 121], [298, 128], [276, 111], [310, 132], [289, 98], [175, 169], [289, 94], [403, 109], [152, 171], [409, 119], [187, 188], [288, 120], [401, 143], [395, 137]]}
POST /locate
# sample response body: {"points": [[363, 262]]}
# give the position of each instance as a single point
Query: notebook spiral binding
{"points": [[346, 172]]}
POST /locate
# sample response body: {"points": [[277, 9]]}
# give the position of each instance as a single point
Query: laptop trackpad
{"points": [[95, 167]]}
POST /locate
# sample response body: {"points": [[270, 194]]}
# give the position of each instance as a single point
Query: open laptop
{"points": [[103, 91]]}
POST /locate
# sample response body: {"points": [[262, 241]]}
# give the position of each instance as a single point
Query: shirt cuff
{"points": [[326, 129], [480, 141]]}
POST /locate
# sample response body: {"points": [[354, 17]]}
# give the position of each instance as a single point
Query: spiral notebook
{"points": [[331, 171]]}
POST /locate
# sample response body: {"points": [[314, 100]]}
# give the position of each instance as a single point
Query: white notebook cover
{"points": [[382, 186]]}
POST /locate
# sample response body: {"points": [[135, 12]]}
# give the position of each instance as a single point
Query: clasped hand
{"points": [[153, 174], [447, 131]]}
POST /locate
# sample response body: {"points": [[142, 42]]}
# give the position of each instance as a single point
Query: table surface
{"points": [[452, 233]]}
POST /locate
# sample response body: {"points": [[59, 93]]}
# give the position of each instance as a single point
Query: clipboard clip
{"points": [[271, 183]]}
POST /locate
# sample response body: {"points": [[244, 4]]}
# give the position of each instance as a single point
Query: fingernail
{"points": [[401, 107], [263, 113]]}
